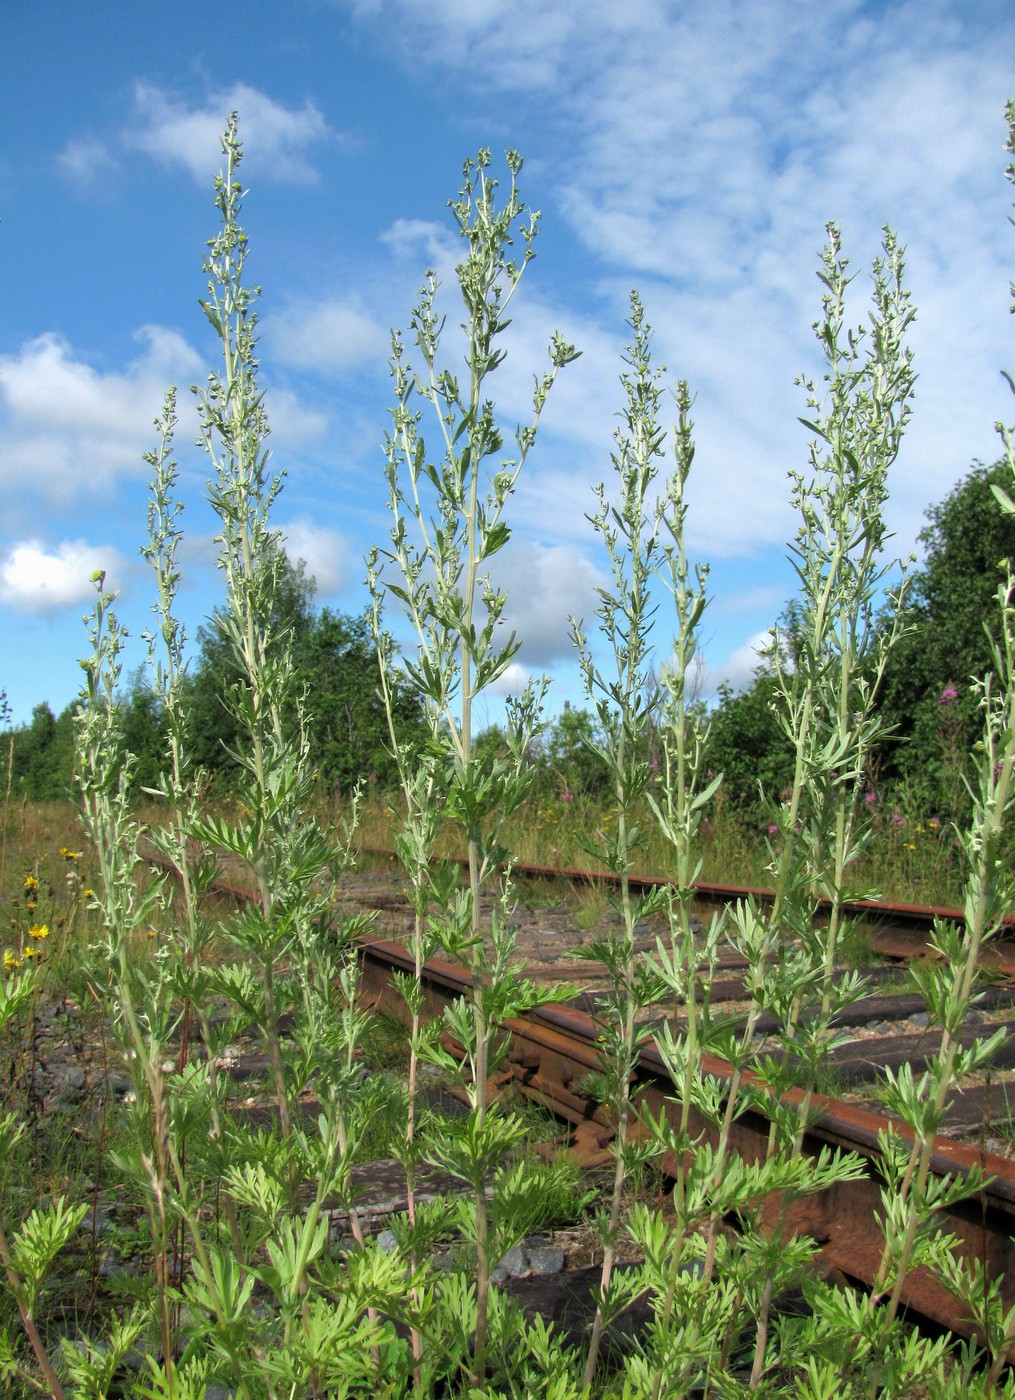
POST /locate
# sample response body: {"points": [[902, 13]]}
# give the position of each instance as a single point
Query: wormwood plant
{"points": [[827, 671], [706, 1290], [630, 530], [448, 522], [235, 1216], [912, 1197]]}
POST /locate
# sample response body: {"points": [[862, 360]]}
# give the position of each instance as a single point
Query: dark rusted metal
{"points": [[554, 1049]]}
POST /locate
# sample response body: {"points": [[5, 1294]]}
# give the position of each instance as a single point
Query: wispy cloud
{"points": [[427, 243], [277, 139], [86, 161], [699, 152], [295, 423], [38, 579], [329, 336]]}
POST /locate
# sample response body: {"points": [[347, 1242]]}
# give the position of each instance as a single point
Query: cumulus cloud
{"points": [[323, 551], [276, 138], [513, 681], [36, 579], [545, 585], [329, 336], [67, 427]]}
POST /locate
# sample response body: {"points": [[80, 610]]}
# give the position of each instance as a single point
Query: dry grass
{"points": [[910, 858]]}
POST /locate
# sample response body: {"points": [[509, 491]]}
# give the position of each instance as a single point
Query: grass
{"points": [[911, 858]]}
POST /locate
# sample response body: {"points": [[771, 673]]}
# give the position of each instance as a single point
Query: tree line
{"points": [[926, 696], [334, 653]]}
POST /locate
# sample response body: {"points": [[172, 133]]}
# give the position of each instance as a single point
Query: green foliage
{"points": [[336, 664], [747, 744], [927, 694], [42, 764], [242, 1282], [567, 758]]}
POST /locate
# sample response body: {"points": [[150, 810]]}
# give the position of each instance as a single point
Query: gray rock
{"points": [[116, 1084], [100, 1222], [546, 1261], [919, 1019], [68, 1085], [515, 1262], [387, 1242]]}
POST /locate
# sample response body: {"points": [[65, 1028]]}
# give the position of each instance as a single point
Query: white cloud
{"points": [[293, 422], [699, 151], [86, 161], [331, 337], [68, 428], [545, 585], [516, 43], [424, 241], [513, 681], [34, 579], [738, 668], [276, 139], [323, 551]]}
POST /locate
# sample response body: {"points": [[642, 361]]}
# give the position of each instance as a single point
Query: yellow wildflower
{"points": [[39, 931], [31, 884], [10, 961], [69, 854], [30, 953]]}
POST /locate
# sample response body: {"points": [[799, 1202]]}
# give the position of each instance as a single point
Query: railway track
{"points": [[553, 1051]]}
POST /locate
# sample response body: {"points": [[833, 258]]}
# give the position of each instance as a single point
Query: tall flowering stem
{"points": [[913, 1199], [629, 529], [828, 666], [448, 523]]}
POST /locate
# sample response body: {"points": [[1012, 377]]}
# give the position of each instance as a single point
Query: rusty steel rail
{"points": [[710, 893], [553, 1050]]}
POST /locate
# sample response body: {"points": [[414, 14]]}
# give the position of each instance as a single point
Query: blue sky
{"points": [[692, 150]]}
